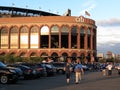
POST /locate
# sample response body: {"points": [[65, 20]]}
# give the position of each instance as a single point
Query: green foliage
{"points": [[36, 59], [102, 60], [2, 58], [8, 58]]}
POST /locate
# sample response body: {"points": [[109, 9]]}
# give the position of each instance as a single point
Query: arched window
{"points": [[44, 30], [64, 36], [54, 36], [33, 54], [24, 37], [14, 37], [88, 31], [34, 37], [82, 35], [4, 37], [64, 55], [88, 38], [22, 54], [74, 37], [44, 37], [82, 57], [94, 39]]}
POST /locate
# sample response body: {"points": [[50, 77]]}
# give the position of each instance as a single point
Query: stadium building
{"points": [[35, 33]]}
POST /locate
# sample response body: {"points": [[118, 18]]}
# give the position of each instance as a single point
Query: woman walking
{"points": [[67, 72]]}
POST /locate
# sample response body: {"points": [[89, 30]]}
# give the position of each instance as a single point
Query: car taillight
{"points": [[29, 70], [39, 69]]}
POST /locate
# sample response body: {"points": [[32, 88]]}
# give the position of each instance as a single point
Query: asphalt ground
{"points": [[90, 81]]}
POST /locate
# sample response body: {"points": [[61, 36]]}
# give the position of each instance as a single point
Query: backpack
{"points": [[78, 69]]}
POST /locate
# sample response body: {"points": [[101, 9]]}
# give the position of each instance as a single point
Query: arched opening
{"points": [[65, 55], [14, 37], [34, 37], [22, 54], [44, 55], [54, 57], [54, 37], [74, 37], [44, 37], [4, 38], [82, 57], [64, 36], [88, 38], [33, 54], [82, 35], [74, 57], [24, 37]]}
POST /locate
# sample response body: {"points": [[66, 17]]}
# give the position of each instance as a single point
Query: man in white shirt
{"points": [[109, 67]]}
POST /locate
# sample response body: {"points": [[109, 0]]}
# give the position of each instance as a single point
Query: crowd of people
{"points": [[105, 68], [77, 69]]}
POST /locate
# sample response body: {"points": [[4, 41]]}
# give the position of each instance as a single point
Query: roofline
{"points": [[25, 10]]}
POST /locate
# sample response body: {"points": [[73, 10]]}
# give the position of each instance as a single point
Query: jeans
{"points": [[78, 76]]}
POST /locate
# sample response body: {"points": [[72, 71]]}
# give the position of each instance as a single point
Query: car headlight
{"points": [[13, 71]]}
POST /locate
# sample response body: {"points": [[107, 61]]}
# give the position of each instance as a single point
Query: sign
{"points": [[79, 19]]}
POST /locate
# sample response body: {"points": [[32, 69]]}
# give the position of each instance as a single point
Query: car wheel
{"points": [[4, 79], [61, 71]]}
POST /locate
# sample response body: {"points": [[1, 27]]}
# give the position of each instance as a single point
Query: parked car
{"points": [[27, 71], [36, 69], [7, 75], [42, 69], [50, 69], [59, 67], [117, 65], [18, 71]]}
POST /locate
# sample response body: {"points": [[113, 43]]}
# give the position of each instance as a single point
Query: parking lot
{"points": [[90, 81]]}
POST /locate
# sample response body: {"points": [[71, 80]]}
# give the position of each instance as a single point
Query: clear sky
{"points": [[105, 12]]}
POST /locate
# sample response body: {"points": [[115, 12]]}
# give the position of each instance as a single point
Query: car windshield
{"points": [[2, 64]]}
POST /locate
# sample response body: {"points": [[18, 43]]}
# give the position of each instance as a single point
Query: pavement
{"points": [[94, 81], [90, 81]]}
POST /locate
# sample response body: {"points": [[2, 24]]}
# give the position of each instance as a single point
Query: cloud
{"points": [[110, 22], [88, 3], [107, 35], [92, 6], [88, 6]]}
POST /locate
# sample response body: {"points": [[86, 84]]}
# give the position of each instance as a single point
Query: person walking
{"points": [[67, 69], [109, 67], [104, 69], [78, 71]]}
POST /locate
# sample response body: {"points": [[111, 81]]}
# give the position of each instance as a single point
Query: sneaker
{"points": [[76, 82]]}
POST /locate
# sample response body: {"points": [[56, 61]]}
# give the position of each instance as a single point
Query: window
{"points": [[4, 37], [64, 37], [54, 37], [14, 37], [74, 37], [82, 35], [24, 37], [44, 37], [88, 38], [34, 37]]}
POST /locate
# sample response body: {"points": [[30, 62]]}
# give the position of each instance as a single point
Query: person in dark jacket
{"points": [[67, 72]]}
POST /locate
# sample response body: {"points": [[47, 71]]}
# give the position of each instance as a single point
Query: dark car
{"points": [[42, 69], [27, 71], [18, 71], [7, 75], [49, 69], [36, 69]]}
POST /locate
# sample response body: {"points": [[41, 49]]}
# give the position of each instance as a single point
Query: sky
{"points": [[105, 12]]}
